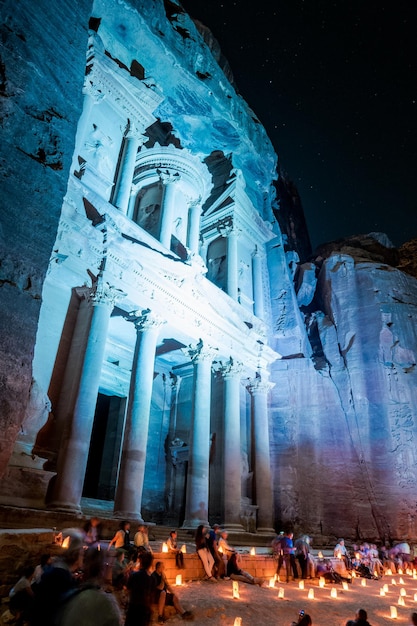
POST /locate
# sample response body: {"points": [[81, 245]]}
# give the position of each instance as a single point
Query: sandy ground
{"points": [[213, 604]]}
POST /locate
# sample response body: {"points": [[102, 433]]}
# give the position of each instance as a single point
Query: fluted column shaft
{"points": [[232, 446], [167, 207], [194, 214], [128, 500], [258, 296], [259, 390], [197, 496], [75, 444], [126, 170]]}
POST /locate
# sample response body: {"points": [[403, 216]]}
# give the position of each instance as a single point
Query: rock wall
{"points": [[42, 67], [344, 421]]}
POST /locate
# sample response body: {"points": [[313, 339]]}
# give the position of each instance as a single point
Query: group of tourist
{"points": [[58, 590]]}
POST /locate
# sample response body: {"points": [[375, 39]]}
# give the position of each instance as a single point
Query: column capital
{"points": [[230, 368], [228, 228], [145, 320], [101, 292], [200, 352], [258, 386], [258, 252], [167, 178]]}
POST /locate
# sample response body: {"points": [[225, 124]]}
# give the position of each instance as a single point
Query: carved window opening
{"points": [[217, 263], [147, 213]]}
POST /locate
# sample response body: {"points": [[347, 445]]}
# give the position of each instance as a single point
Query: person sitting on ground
{"points": [[141, 539], [341, 552], [141, 586], [59, 579], [122, 537], [119, 578], [45, 563], [304, 619], [174, 549], [92, 532], [165, 596], [204, 552], [361, 619], [235, 572], [21, 596], [223, 544], [90, 604], [212, 542]]}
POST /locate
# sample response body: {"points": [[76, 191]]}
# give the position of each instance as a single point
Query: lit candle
{"points": [[272, 582], [389, 573], [401, 581], [280, 592], [235, 589], [415, 597], [363, 582], [393, 581], [333, 592], [320, 555], [353, 574], [301, 584], [178, 580], [322, 582], [382, 592], [401, 601], [386, 588], [164, 547], [252, 551], [393, 612], [403, 592], [238, 621], [345, 586], [311, 594], [400, 571], [184, 548], [415, 574]]}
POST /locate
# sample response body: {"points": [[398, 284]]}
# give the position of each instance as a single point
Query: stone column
{"points": [[197, 496], [128, 499], [231, 372], [194, 214], [67, 486], [259, 388], [231, 233], [131, 143], [167, 208], [258, 295]]}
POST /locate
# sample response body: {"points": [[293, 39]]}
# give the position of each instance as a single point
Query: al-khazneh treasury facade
{"points": [[154, 341]]}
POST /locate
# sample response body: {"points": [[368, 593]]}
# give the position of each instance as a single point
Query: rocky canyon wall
{"points": [[344, 421], [42, 71]]}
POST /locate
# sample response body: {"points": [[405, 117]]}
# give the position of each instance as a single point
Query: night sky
{"points": [[335, 86]]}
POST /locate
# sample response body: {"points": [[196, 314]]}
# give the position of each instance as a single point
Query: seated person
{"points": [[165, 596], [141, 539], [235, 572], [174, 549], [361, 619], [22, 596]]}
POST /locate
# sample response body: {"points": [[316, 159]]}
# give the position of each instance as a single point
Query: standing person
{"points": [[141, 587], [288, 551], [302, 550], [204, 552], [174, 549], [361, 619], [141, 539], [165, 596], [122, 537]]}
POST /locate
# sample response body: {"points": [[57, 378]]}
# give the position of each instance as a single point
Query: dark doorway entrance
{"points": [[105, 447]]}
